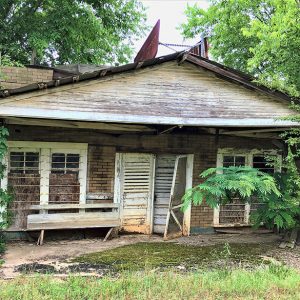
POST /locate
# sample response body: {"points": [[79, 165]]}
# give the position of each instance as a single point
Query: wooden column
{"points": [[45, 169]]}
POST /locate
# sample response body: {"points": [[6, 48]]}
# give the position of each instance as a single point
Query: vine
{"points": [[5, 196]]}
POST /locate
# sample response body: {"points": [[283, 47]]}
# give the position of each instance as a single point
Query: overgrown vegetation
{"points": [[273, 282], [282, 210], [164, 256], [5, 196], [223, 185]]}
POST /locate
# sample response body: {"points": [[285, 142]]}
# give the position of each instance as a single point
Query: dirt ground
{"points": [[54, 253]]}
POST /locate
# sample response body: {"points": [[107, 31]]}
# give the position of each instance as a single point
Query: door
{"points": [[173, 175], [175, 215], [135, 173], [164, 170]]}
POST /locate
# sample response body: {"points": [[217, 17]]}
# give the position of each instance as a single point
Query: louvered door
{"points": [[135, 174]]}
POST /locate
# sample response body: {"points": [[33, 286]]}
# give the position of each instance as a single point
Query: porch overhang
{"points": [[71, 115]]}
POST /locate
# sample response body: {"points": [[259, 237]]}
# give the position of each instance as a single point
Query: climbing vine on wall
{"points": [[5, 196]]}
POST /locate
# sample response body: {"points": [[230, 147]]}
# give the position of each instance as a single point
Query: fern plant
{"points": [[223, 185]]}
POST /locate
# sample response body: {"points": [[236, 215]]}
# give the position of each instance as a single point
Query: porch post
{"points": [[45, 169], [216, 217], [189, 184], [3, 183], [82, 178]]}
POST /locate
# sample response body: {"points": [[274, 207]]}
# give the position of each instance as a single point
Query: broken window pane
{"points": [[228, 161], [240, 161], [260, 162]]}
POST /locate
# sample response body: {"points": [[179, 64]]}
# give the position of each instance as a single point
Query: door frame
{"points": [[186, 228], [189, 184], [186, 224], [118, 188]]}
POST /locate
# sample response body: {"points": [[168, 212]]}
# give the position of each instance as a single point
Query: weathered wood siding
{"points": [[102, 149], [165, 91]]}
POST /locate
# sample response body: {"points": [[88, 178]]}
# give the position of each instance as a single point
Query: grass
{"points": [[271, 282], [150, 271], [167, 255]]}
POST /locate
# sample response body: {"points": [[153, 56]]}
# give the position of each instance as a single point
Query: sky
{"points": [[171, 14]]}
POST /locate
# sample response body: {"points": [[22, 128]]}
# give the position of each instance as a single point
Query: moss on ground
{"points": [[169, 255]]}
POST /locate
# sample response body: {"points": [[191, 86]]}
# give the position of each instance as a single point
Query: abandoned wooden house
{"points": [[118, 147]]}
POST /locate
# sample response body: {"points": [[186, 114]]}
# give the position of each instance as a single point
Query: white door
{"points": [[164, 170], [173, 175], [134, 177]]}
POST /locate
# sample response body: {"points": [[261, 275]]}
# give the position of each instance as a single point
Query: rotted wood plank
{"points": [[73, 206]]}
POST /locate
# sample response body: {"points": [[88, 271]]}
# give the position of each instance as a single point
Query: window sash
{"points": [[64, 166], [23, 165]]}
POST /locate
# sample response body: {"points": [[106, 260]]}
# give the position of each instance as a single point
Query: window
{"points": [[24, 162], [238, 212], [65, 163], [234, 160], [263, 164]]}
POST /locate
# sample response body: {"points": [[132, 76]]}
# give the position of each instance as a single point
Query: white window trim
{"points": [[46, 149], [248, 162], [34, 150]]}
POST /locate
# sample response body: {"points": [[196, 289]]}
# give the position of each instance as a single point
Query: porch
{"points": [[53, 185], [133, 181]]}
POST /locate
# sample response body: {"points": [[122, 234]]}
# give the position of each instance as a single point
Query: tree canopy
{"points": [[259, 37], [70, 31]]}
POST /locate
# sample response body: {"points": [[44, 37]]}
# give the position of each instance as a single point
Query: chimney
{"points": [[204, 47], [15, 77], [201, 49]]}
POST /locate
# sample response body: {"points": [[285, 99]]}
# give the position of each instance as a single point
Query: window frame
{"points": [[24, 151], [249, 154], [45, 150], [65, 168]]}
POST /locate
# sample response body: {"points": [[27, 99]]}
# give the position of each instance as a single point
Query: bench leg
{"points": [[41, 238], [108, 234]]}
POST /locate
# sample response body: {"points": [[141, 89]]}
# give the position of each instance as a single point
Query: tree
{"points": [[258, 37], [66, 31]]}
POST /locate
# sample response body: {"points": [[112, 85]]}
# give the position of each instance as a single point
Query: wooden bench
{"points": [[73, 220]]}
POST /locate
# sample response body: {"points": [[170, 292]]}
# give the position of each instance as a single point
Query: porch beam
{"points": [[42, 113], [257, 130], [79, 125]]}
